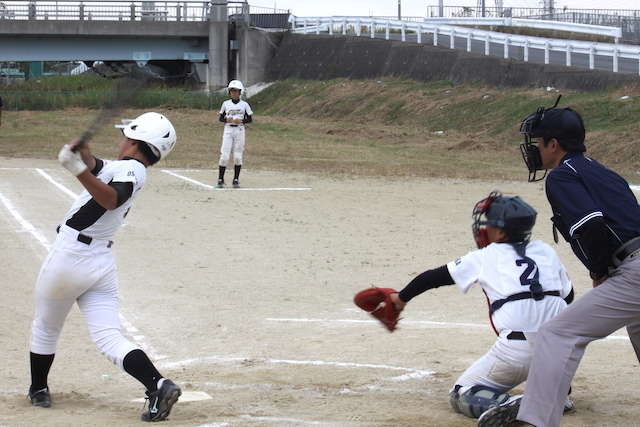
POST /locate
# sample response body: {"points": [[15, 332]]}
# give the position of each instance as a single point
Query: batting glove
{"points": [[71, 161]]}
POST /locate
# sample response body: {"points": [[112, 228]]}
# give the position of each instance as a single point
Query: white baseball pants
{"points": [[76, 272], [232, 140]]}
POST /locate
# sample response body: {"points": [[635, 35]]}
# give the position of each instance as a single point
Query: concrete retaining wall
{"points": [[257, 48], [323, 57]]}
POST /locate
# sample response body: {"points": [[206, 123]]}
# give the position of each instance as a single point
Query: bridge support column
{"points": [[218, 46]]}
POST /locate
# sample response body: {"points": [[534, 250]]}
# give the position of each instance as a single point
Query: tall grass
{"points": [[93, 92]]}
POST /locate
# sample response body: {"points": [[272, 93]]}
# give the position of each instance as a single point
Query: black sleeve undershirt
{"points": [[247, 118], [98, 167], [124, 190], [430, 279], [223, 118]]}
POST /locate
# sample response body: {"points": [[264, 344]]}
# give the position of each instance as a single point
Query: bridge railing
{"points": [[113, 10], [362, 26]]}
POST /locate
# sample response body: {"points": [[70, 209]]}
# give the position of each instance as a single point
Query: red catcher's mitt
{"points": [[378, 303]]}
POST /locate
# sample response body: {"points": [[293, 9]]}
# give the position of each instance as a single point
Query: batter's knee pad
{"points": [[478, 399]]}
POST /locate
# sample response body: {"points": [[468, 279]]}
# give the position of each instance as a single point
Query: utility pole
{"points": [[399, 11]]}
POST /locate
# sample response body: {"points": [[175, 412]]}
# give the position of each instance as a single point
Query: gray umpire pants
{"points": [[561, 342]]}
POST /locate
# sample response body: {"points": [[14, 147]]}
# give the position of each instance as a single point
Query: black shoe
{"points": [[220, 184], [41, 398], [503, 414], [236, 184], [161, 401]]}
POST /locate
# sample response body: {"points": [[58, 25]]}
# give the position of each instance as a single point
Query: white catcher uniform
{"points": [[233, 136], [81, 268], [502, 272]]}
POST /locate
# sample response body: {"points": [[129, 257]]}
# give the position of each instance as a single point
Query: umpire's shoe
{"points": [[502, 415], [41, 398], [161, 401]]}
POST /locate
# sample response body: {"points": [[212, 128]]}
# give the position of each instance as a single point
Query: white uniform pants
{"points": [[232, 140], [561, 341], [503, 367], [86, 274]]}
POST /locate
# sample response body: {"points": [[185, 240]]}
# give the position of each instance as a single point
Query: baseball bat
{"points": [[111, 108]]}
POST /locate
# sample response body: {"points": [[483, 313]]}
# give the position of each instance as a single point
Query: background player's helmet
{"points": [[155, 130], [515, 217], [563, 124], [236, 84]]}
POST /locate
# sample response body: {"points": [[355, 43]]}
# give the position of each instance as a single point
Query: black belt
{"points": [[626, 250], [85, 239], [516, 335], [515, 297], [234, 126]]}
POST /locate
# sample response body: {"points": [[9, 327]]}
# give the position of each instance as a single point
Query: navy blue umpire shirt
{"points": [[593, 208]]}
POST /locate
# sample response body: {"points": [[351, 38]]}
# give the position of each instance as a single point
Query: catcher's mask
{"points": [[563, 124], [515, 217]]}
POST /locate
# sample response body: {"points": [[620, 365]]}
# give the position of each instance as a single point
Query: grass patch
{"points": [[390, 127]]}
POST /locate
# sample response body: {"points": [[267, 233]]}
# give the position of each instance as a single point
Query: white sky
{"points": [[419, 7]]}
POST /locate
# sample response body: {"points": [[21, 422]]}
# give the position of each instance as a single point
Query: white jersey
{"points": [[92, 219], [235, 110], [502, 272]]}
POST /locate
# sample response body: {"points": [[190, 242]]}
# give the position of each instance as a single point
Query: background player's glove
{"points": [[71, 161], [378, 303]]}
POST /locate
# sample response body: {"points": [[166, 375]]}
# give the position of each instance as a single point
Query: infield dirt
{"points": [[245, 296]]}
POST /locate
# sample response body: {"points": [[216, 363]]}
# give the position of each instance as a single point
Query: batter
{"points": [[81, 268]]}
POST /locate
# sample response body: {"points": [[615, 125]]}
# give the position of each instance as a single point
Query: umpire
{"points": [[597, 213]]}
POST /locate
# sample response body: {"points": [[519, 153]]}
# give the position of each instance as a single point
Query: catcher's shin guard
{"points": [[479, 399]]}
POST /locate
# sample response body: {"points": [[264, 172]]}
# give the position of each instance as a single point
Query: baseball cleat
{"points": [[41, 398], [220, 184], [568, 405], [161, 401], [236, 184], [502, 415]]}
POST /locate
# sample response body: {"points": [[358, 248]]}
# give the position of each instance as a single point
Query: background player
{"points": [[525, 284], [234, 113], [80, 267], [597, 213]]}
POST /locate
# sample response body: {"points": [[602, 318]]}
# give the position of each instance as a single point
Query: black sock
{"points": [[221, 171], [236, 172], [138, 365], [40, 366]]}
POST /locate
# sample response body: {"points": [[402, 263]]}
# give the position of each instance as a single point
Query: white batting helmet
{"points": [[154, 129], [236, 84]]}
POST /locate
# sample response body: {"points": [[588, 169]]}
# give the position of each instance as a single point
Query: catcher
{"points": [[524, 282]]}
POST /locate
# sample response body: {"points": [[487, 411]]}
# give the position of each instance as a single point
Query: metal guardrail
{"points": [[613, 32], [371, 26], [520, 12], [627, 19], [113, 10], [126, 10]]}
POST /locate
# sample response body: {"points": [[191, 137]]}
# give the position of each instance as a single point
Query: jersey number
{"points": [[530, 274]]}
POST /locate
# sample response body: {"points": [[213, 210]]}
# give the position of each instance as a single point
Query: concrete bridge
{"points": [[199, 39], [216, 41]]}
